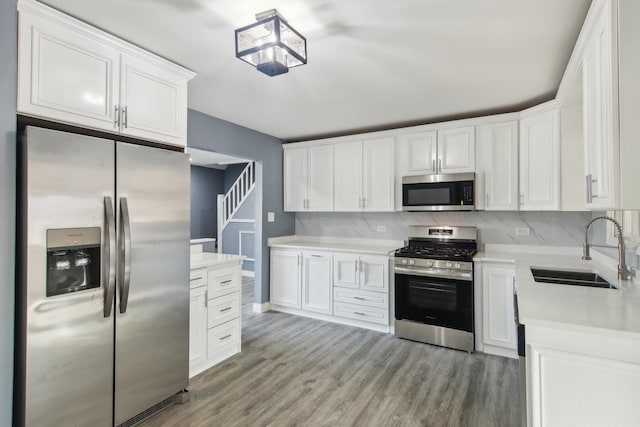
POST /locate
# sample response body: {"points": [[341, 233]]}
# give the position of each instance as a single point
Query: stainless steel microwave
{"points": [[445, 192]]}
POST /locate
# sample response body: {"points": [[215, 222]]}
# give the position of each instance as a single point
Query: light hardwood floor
{"points": [[295, 371]]}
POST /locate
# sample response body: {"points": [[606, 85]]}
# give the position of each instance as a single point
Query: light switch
{"points": [[271, 216], [524, 231]]}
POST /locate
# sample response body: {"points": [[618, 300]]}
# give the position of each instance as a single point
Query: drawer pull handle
{"points": [[225, 337], [360, 298], [358, 313], [225, 309], [195, 278], [224, 282]]}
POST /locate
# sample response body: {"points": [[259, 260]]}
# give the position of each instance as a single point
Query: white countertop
{"points": [[341, 244], [596, 310], [209, 259]]}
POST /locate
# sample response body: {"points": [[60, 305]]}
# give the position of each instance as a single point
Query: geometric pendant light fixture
{"points": [[271, 44]]}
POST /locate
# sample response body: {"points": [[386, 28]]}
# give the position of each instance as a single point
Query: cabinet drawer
{"points": [[223, 281], [223, 309], [365, 298], [222, 337], [360, 312], [197, 277]]}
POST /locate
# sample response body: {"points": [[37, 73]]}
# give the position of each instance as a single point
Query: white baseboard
{"points": [[247, 273], [333, 319], [261, 308]]}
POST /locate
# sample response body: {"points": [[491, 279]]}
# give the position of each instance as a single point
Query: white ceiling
{"points": [[212, 159], [373, 64]]}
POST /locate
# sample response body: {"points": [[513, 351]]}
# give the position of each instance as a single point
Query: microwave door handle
{"points": [[109, 251], [125, 254], [433, 165]]}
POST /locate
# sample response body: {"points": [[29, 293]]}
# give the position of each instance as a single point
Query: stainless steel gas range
{"points": [[434, 286]]}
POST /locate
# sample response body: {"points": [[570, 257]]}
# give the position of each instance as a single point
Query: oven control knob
{"points": [[457, 265], [411, 262], [429, 263], [404, 261], [449, 265]]}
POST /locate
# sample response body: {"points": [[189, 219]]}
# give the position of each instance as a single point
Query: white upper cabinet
{"points": [[153, 101], [73, 73], [377, 167], [348, 176], [443, 151], [611, 102], [295, 179], [497, 168], [417, 153], [456, 150], [599, 159], [66, 76], [308, 179], [540, 162], [364, 175]]}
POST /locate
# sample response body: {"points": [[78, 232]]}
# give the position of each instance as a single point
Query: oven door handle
{"points": [[447, 275]]}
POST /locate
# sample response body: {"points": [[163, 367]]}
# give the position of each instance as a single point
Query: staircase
{"points": [[230, 203]]}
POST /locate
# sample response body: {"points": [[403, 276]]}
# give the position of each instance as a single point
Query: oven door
{"points": [[434, 301]]}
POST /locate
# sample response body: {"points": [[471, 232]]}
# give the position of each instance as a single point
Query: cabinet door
{"points": [[345, 271], [295, 179], [417, 153], [153, 102], [285, 278], [374, 273], [197, 326], [600, 162], [377, 181], [320, 178], [540, 162], [498, 146], [498, 324], [457, 150], [65, 75], [348, 176], [316, 282]]}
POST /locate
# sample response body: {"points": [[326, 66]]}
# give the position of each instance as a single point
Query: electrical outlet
{"points": [[381, 228], [524, 231], [271, 216]]}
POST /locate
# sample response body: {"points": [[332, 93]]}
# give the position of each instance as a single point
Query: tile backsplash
{"points": [[545, 228]]}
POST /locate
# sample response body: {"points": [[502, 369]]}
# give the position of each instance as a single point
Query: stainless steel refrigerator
{"points": [[103, 288]]}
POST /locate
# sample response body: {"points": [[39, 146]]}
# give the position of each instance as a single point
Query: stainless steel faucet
{"points": [[623, 271]]}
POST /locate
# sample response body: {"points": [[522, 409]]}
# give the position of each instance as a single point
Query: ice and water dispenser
{"points": [[73, 260]]}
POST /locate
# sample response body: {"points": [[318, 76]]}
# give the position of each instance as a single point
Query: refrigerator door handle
{"points": [[109, 256], [125, 254]]}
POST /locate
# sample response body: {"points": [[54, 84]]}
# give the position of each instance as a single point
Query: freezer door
{"points": [[152, 299], [65, 350]]}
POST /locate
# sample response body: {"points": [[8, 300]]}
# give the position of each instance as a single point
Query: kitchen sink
{"points": [[567, 277]]}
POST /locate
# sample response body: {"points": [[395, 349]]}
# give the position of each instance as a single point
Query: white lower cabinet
{"points": [[332, 286], [285, 278], [316, 282], [494, 307], [197, 325], [214, 316], [581, 378]]}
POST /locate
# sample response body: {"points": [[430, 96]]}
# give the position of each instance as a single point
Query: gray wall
{"points": [[210, 133], [8, 83], [231, 173], [206, 184]]}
